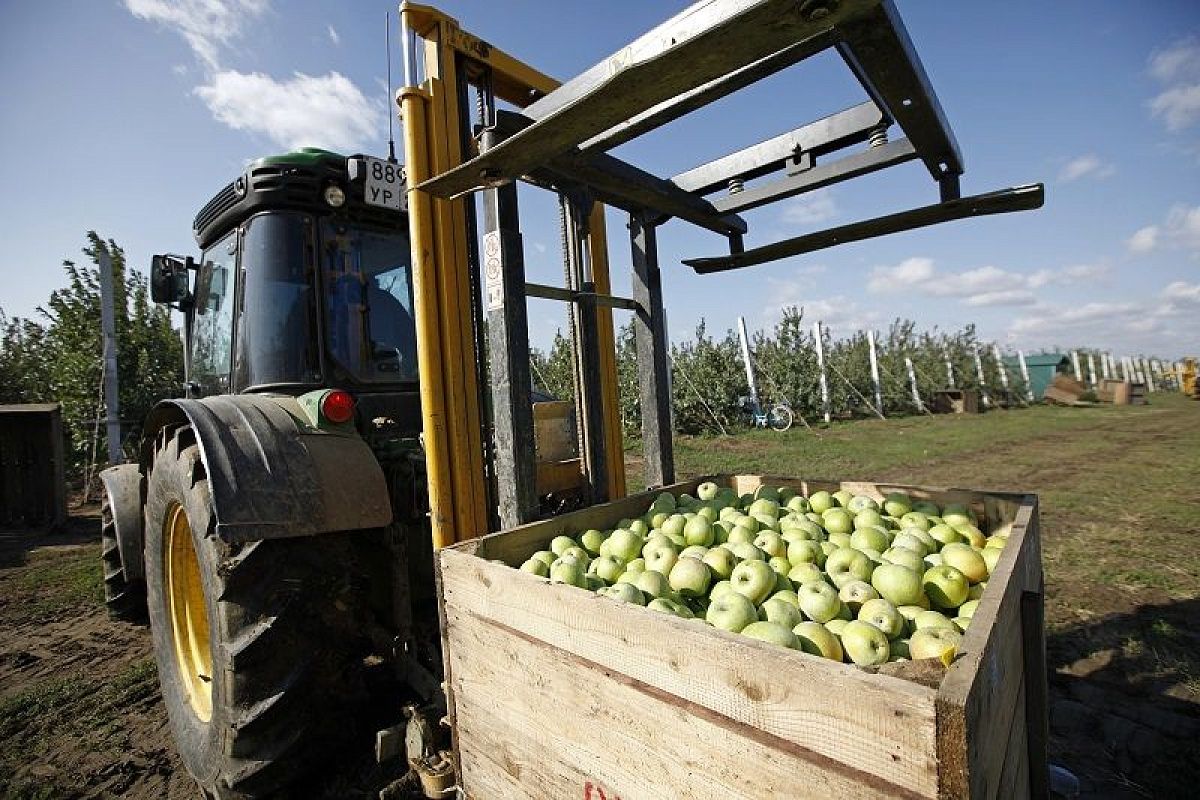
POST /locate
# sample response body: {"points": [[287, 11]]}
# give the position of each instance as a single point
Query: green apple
{"points": [[869, 539], [848, 561], [639, 527], [567, 570], [719, 589], [967, 609], [591, 540], [771, 543], [547, 557], [945, 534], [961, 623], [765, 506], [707, 490], [730, 612], [898, 584], [838, 520], [933, 560], [855, 593], [788, 596], [746, 551], [721, 561], [660, 557], [976, 591], [536, 567], [819, 601], [843, 497], [690, 577], [927, 507], [625, 592], [815, 639], [897, 504], [741, 533], [674, 525], [910, 616], [805, 572], [776, 610], [772, 632], [934, 642], [973, 535], [608, 568], [665, 605], [868, 518], [931, 619], [658, 518], [907, 540], [996, 542], [904, 557], [861, 502], [560, 543], [652, 584], [840, 539], [805, 552], [966, 560], [783, 583], [754, 580], [624, 544], [765, 521], [836, 626], [693, 551], [914, 519], [945, 586], [728, 513], [865, 644], [578, 553], [821, 502], [798, 504], [883, 615], [706, 512], [781, 565], [991, 557], [593, 583], [828, 547], [677, 540]]}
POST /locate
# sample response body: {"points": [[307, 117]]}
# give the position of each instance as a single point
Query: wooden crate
{"points": [[956, 401], [554, 691]]}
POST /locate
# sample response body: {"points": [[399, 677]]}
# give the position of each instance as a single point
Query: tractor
{"points": [[358, 387]]}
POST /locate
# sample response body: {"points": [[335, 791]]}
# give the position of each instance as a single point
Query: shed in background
{"points": [[33, 491], [1042, 369]]}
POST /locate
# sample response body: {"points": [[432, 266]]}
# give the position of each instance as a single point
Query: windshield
{"points": [[212, 330], [368, 302]]}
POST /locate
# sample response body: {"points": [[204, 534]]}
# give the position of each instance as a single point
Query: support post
{"points": [[1106, 365], [820, 345], [1091, 362], [949, 371], [912, 381], [875, 372], [983, 392], [1075, 365], [112, 396], [1003, 372], [1025, 375], [508, 345], [650, 335], [1148, 369], [753, 384]]}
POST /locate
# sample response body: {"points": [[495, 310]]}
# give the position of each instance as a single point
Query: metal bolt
{"points": [[815, 10]]}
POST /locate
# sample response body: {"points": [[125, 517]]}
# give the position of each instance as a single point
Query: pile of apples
{"points": [[833, 574]]}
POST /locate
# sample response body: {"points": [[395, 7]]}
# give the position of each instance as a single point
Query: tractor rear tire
{"points": [[254, 642], [124, 599]]}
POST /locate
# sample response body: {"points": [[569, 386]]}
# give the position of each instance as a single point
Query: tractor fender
{"points": [[272, 473], [123, 483]]}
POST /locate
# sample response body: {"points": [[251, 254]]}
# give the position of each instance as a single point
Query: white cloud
{"points": [[319, 111], [180, 69], [811, 208], [333, 36], [1180, 230], [1181, 292], [206, 25], [983, 286], [1084, 166], [1144, 239], [1178, 67]]}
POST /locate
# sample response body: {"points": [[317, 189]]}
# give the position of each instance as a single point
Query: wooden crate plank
{"points": [[1013, 783], [978, 697], [882, 725], [538, 717]]}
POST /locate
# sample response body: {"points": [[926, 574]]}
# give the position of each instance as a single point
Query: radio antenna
{"points": [[387, 38]]}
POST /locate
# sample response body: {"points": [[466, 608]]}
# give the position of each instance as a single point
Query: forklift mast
{"points": [[557, 137]]}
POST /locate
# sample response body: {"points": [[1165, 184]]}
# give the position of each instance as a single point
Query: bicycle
{"points": [[778, 417]]}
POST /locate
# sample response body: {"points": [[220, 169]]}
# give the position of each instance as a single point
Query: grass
{"points": [[53, 582]]}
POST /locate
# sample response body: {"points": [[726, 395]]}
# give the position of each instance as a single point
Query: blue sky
{"points": [[125, 116]]}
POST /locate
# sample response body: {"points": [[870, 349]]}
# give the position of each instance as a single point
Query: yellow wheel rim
{"points": [[187, 612]]}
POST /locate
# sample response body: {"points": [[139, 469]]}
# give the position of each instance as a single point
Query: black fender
{"points": [[123, 484], [272, 473]]}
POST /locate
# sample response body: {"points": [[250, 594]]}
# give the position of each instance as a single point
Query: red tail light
{"points": [[337, 406]]}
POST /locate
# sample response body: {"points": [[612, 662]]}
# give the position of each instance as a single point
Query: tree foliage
{"points": [[59, 356]]}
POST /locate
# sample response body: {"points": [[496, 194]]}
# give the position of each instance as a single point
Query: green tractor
{"points": [[274, 528]]}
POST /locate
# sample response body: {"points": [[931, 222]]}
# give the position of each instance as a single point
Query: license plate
{"points": [[385, 184]]}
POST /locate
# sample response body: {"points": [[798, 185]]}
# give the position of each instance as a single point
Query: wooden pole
{"points": [[912, 380], [875, 372], [654, 373], [1025, 375], [112, 396], [820, 345], [745, 341], [987, 401]]}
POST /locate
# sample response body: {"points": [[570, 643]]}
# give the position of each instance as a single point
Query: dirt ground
{"points": [[80, 714]]}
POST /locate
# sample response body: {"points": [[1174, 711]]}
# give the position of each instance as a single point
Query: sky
{"points": [[126, 116]]}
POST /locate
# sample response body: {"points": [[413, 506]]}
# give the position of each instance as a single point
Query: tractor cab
{"points": [[304, 282]]}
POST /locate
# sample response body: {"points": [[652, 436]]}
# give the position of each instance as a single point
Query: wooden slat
{"points": [[541, 723], [882, 726], [978, 697]]}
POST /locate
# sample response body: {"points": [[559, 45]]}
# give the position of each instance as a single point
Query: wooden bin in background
{"points": [[557, 692], [33, 490], [956, 401]]}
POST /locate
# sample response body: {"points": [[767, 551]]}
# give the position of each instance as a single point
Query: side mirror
{"points": [[169, 280]]}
